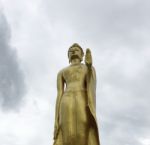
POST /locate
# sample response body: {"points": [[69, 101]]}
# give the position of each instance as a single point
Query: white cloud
{"points": [[145, 141]]}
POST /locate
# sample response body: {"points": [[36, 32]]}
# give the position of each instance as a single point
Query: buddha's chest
{"points": [[74, 73]]}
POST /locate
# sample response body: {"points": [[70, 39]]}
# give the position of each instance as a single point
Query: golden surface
{"points": [[75, 116]]}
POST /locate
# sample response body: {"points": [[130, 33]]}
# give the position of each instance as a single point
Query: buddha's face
{"points": [[75, 52]]}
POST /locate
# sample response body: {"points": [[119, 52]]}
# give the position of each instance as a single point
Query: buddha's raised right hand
{"points": [[88, 58]]}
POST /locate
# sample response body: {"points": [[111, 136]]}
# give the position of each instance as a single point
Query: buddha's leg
{"points": [[68, 119], [74, 119], [69, 138], [82, 119], [82, 135]]}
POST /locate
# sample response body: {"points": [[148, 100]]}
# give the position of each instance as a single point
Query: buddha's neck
{"points": [[75, 61]]}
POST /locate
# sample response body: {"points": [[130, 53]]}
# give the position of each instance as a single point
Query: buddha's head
{"points": [[75, 51]]}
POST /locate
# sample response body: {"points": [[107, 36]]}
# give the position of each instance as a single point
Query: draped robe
{"points": [[93, 134]]}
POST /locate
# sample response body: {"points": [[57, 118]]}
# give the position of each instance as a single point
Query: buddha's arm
{"points": [[90, 78], [60, 90]]}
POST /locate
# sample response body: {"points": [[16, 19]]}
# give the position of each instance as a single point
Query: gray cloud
{"points": [[12, 86]]}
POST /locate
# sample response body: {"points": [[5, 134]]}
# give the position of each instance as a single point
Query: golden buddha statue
{"points": [[75, 118]]}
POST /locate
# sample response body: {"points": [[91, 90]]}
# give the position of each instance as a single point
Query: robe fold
{"points": [[93, 137]]}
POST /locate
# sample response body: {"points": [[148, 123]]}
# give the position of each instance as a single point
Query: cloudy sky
{"points": [[34, 38]]}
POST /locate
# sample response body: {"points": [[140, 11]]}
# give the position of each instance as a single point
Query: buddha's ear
{"points": [[82, 54], [69, 61]]}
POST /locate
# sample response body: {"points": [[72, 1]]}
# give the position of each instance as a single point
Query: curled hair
{"points": [[76, 45]]}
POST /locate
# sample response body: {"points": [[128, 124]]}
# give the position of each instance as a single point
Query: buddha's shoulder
{"points": [[61, 72], [70, 67]]}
